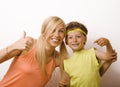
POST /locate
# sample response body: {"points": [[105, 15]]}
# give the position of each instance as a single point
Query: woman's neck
{"points": [[50, 54], [50, 51]]}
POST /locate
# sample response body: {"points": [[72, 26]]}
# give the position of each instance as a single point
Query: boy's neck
{"points": [[78, 50]]}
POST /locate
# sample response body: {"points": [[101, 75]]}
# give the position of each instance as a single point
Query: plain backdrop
{"points": [[101, 17]]}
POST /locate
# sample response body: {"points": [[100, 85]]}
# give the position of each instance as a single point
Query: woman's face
{"points": [[56, 37]]}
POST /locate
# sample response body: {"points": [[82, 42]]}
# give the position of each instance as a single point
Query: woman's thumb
{"points": [[24, 34]]}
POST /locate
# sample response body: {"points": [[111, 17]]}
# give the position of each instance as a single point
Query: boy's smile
{"points": [[76, 40]]}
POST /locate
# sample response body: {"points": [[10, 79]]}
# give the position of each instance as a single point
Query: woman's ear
{"points": [[43, 35]]}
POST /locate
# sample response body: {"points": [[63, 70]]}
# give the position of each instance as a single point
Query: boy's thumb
{"points": [[96, 41]]}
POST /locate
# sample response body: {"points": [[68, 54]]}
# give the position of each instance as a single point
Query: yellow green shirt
{"points": [[83, 69]]}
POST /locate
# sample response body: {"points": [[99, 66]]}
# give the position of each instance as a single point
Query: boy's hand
{"points": [[102, 41], [112, 56]]}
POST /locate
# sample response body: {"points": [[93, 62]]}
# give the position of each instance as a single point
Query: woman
{"points": [[34, 67]]}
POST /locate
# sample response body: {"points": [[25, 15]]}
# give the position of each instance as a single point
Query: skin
{"points": [[56, 37], [23, 44], [76, 41], [53, 40], [52, 35]]}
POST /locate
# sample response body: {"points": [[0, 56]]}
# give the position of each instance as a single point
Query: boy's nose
{"points": [[74, 39]]}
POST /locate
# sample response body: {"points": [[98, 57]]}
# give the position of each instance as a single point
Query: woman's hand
{"points": [[65, 80], [24, 43]]}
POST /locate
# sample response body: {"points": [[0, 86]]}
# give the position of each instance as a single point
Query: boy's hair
{"points": [[73, 25]]}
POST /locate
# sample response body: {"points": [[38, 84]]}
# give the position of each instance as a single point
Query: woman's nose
{"points": [[56, 33]]}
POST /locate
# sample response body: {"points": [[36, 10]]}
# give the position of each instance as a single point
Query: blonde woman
{"points": [[34, 67]]}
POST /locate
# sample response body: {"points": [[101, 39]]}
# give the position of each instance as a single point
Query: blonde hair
{"points": [[48, 27]]}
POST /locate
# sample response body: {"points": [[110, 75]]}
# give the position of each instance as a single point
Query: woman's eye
{"points": [[62, 31], [53, 31]]}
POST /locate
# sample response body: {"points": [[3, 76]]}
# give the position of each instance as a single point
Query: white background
{"points": [[101, 17]]}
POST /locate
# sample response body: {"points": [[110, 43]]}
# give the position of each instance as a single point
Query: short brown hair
{"points": [[73, 25]]}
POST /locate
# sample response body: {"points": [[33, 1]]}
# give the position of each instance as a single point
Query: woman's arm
{"points": [[16, 48], [64, 80], [64, 77]]}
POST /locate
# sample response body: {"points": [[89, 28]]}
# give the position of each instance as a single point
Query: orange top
{"points": [[24, 72]]}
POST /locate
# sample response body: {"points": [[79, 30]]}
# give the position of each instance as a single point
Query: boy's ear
{"points": [[85, 40], [66, 40], [43, 35]]}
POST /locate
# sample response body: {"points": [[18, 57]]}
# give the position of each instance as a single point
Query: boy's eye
{"points": [[78, 36], [69, 37]]}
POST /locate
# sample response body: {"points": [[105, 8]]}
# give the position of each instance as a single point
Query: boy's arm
{"points": [[105, 66], [104, 55], [111, 54], [105, 42]]}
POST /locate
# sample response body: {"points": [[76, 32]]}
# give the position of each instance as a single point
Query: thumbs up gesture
{"points": [[24, 43]]}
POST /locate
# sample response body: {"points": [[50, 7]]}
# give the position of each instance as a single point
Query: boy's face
{"points": [[76, 40]]}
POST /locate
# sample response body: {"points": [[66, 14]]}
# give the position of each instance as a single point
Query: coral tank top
{"points": [[24, 71]]}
